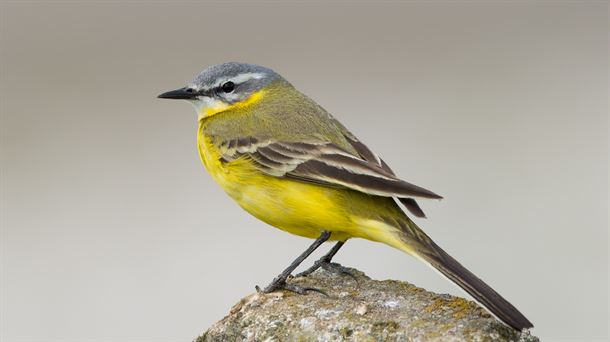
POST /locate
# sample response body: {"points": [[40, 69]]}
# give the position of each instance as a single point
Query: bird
{"points": [[288, 162]]}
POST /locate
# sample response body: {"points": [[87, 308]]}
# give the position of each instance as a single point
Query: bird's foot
{"points": [[328, 266], [281, 284]]}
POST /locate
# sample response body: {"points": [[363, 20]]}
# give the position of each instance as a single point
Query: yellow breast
{"points": [[299, 208]]}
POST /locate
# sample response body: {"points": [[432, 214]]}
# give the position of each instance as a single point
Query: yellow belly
{"points": [[300, 208]]}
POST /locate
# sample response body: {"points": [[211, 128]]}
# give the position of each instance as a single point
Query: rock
{"points": [[359, 309]]}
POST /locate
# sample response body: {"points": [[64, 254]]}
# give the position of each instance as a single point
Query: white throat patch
{"points": [[203, 104]]}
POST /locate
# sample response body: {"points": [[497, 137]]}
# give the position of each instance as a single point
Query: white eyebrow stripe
{"points": [[241, 78]]}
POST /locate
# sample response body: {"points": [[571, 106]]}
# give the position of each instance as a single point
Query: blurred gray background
{"points": [[112, 231]]}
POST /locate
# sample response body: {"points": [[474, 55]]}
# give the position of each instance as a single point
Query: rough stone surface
{"points": [[362, 310]]}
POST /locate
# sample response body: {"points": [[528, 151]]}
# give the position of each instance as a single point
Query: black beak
{"points": [[185, 93]]}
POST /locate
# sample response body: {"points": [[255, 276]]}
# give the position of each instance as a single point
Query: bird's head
{"points": [[226, 86]]}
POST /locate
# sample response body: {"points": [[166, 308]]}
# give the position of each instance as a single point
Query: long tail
{"points": [[420, 244]]}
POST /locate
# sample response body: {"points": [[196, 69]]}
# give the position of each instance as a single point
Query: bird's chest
{"points": [[238, 178], [225, 174], [297, 207]]}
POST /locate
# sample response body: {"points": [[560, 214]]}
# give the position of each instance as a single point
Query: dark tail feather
{"points": [[484, 294], [412, 206]]}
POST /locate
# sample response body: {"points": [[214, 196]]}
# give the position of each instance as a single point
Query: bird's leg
{"points": [[279, 282], [325, 263], [324, 260]]}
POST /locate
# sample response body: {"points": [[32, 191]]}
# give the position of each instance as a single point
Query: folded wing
{"points": [[325, 163]]}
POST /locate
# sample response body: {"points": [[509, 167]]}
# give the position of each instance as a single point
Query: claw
{"points": [[303, 290], [331, 267], [336, 268], [289, 287]]}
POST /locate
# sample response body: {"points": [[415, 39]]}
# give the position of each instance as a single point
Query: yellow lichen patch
{"points": [[459, 306], [437, 305]]}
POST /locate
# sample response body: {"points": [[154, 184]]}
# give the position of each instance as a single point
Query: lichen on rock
{"points": [[358, 309]]}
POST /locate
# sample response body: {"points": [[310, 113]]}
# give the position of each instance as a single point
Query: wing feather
{"points": [[409, 203], [351, 178], [326, 163]]}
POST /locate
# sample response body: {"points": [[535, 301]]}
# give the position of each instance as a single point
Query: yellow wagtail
{"points": [[291, 164]]}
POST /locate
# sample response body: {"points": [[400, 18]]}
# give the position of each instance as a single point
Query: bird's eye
{"points": [[228, 87], [190, 90]]}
